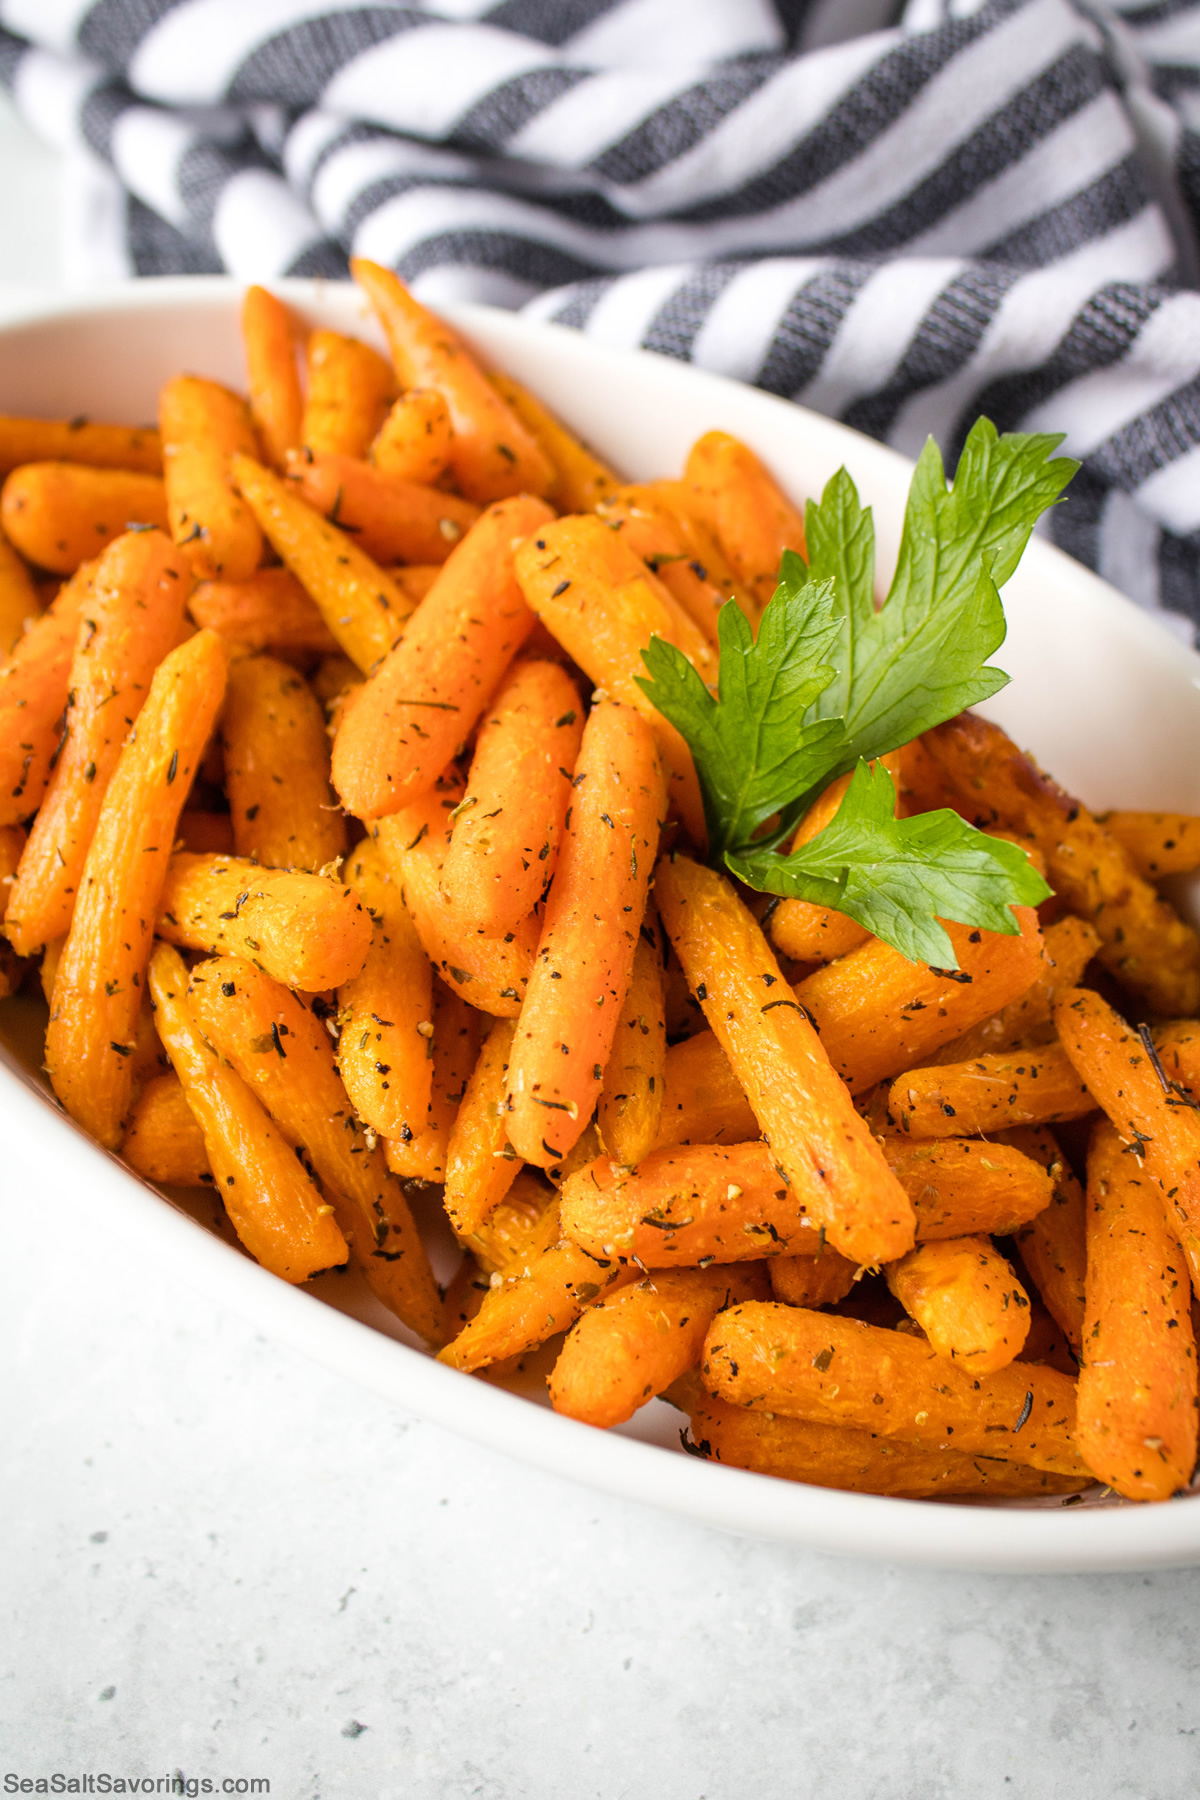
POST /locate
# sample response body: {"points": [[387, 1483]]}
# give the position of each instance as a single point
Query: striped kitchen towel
{"points": [[902, 216]]}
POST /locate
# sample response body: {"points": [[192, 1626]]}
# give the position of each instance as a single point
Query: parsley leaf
{"points": [[754, 747], [897, 877], [921, 658]]}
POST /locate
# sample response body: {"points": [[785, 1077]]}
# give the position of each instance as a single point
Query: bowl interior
{"points": [[1106, 699]]}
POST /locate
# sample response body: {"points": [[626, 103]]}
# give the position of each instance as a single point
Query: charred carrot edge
{"points": [[283, 1053], [135, 615], [481, 1165], [393, 520], [360, 603], [990, 1093], [204, 427], [581, 481], [385, 1013], [1137, 1382], [34, 685], [60, 514], [19, 603], [163, 1142], [1144, 942], [421, 1155], [585, 955], [98, 985], [1157, 843], [752, 518], [277, 768], [272, 1201], [505, 841], [826, 1152], [350, 388], [270, 612], [1068, 945], [416, 439], [493, 455], [273, 376], [862, 1462], [493, 972], [879, 1014], [1158, 1125], [306, 931], [629, 1111], [631, 1345], [400, 729], [603, 605], [838, 1371], [967, 1300]]}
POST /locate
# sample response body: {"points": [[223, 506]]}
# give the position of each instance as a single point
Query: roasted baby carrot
{"points": [[271, 611], [1157, 843], [990, 1093], [393, 520], [631, 1345], [134, 616], [674, 500], [284, 1054], [415, 579], [603, 605], [493, 454], [752, 518], [307, 931], [416, 439], [629, 1111], [1053, 1245], [1136, 1425], [277, 768], [162, 1141], [400, 729], [481, 1164], [652, 535], [359, 602], [19, 603], [492, 972], [421, 1155], [836, 1371], [1068, 945], [878, 1013], [98, 986], [34, 684], [60, 514], [824, 1149], [967, 1300], [584, 960], [273, 376], [79, 441], [812, 1280], [504, 845], [860, 1461], [1160, 1127], [204, 426], [385, 1013], [581, 481], [1144, 942], [524, 1223], [273, 1202], [350, 388], [703, 1100]]}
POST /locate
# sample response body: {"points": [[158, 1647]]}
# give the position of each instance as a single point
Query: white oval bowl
{"points": [[1103, 695]]}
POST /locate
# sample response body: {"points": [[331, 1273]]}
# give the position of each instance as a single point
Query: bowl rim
{"points": [[928, 1533]]}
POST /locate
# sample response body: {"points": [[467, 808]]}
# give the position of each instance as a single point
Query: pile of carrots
{"points": [[354, 864]]}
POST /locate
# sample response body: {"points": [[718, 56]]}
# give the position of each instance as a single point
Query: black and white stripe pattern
{"points": [[899, 215]]}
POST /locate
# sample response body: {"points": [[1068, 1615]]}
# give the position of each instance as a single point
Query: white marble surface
{"points": [[221, 1559]]}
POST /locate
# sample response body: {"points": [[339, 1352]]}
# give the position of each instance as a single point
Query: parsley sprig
{"points": [[830, 684]]}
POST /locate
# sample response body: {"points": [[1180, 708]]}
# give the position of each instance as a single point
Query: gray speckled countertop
{"points": [[219, 1558]]}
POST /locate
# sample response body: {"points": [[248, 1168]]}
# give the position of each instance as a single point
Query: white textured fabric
{"points": [[901, 214]]}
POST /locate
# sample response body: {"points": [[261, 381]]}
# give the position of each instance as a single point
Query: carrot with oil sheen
{"points": [[350, 388], [273, 377], [825, 1150], [277, 768], [204, 427], [393, 520], [584, 960], [400, 729], [60, 514]]}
